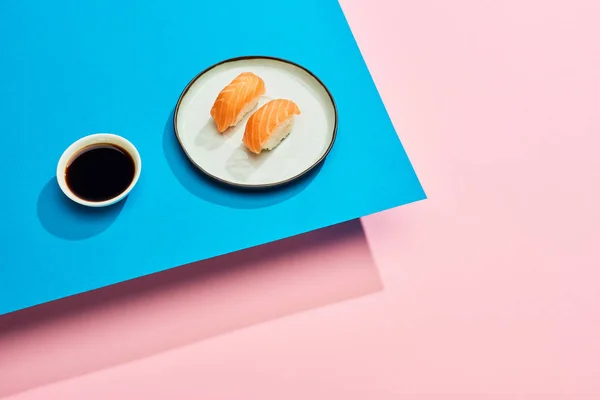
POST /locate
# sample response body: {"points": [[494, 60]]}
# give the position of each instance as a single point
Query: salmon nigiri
{"points": [[236, 100], [269, 125]]}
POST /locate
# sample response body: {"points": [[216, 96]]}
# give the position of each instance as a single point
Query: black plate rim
{"points": [[269, 185]]}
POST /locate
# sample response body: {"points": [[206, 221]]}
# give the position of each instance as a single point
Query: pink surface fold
{"points": [[489, 289]]}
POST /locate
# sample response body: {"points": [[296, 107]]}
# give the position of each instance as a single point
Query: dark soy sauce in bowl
{"points": [[100, 172]]}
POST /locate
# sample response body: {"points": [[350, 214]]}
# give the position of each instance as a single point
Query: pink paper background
{"points": [[488, 289]]}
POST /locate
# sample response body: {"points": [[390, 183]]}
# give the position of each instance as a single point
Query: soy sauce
{"points": [[100, 172]]}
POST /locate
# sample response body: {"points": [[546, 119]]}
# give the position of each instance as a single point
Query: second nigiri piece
{"points": [[236, 100], [269, 125]]}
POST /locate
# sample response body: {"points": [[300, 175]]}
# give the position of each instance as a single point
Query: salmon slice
{"points": [[236, 100], [269, 125]]}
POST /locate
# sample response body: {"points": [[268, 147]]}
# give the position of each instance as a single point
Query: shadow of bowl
{"points": [[71, 221], [206, 188]]}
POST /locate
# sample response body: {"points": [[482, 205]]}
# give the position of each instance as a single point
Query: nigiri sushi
{"points": [[236, 100], [269, 125]]}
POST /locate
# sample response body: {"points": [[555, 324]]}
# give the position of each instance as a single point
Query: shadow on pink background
{"points": [[149, 315], [491, 286]]}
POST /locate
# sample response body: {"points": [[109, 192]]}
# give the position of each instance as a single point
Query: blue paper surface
{"points": [[70, 68]]}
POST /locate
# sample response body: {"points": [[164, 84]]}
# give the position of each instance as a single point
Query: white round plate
{"points": [[224, 157]]}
